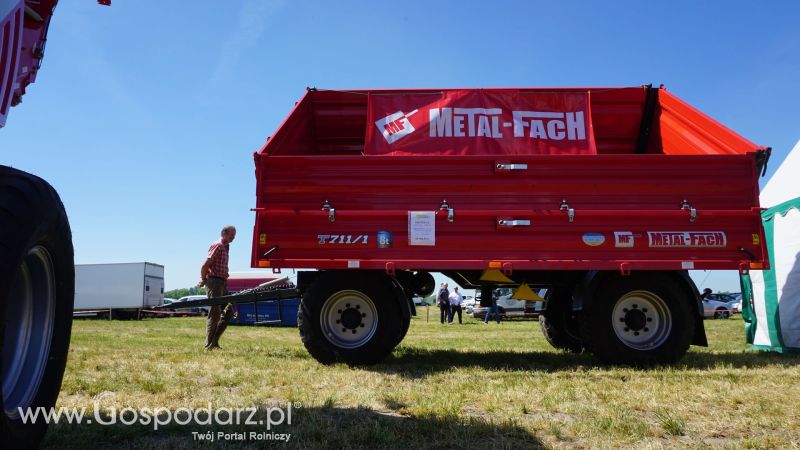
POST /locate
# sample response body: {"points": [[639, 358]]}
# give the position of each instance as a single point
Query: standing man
{"points": [[214, 276], [444, 303], [493, 308], [455, 305]]}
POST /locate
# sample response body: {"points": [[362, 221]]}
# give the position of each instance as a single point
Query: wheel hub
{"points": [[641, 320], [349, 319], [635, 319]]}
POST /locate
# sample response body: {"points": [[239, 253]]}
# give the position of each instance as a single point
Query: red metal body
{"points": [[23, 27], [684, 196]]}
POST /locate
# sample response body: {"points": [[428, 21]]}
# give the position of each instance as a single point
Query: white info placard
{"points": [[421, 228]]}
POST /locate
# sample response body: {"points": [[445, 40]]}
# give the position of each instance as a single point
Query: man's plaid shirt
{"points": [[218, 252]]}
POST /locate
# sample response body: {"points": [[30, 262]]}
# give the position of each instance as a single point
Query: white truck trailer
{"points": [[117, 290]]}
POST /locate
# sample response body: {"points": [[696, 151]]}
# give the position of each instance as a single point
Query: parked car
{"points": [[715, 309], [510, 307], [419, 301], [733, 300], [192, 310], [468, 305]]}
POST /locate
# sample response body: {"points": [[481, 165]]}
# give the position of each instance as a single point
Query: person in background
{"points": [[492, 308], [706, 294], [443, 299], [455, 305], [214, 276]]}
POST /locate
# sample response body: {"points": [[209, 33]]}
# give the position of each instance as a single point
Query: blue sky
{"points": [[145, 115]]}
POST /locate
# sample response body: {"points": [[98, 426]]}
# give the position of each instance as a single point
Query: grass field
{"points": [[468, 386]]}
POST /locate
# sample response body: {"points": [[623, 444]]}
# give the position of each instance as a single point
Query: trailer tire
{"points": [[641, 319], [36, 298], [560, 325], [350, 318]]}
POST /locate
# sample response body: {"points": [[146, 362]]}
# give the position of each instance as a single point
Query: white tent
{"points": [[773, 322]]}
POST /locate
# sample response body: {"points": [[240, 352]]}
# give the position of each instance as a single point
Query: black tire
{"points": [[656, 327], [37, 284], [380, 311], [559, 323], [722, 313], [405, 324]]}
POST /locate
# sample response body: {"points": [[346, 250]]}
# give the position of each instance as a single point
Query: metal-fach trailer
{"points": [[604, 196]]}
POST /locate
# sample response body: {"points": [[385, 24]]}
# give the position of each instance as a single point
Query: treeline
{"points": [[183, 292]]}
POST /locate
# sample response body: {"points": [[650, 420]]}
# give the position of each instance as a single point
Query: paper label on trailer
{"points": [[353, 264], [421, 228], [687, 239]]}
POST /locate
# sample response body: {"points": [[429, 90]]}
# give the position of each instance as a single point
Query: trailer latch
{"points": [[570, 211], [326, 206], [450, 211], [692, 211]]}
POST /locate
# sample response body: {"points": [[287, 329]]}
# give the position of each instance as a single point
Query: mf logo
{"points": [[395, 126], [623, 239]]}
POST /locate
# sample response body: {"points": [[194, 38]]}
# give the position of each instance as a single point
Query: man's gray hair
{"points": [[227, 229]]}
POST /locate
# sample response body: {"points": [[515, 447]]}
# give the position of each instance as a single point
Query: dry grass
{"points": [[469, 386]]}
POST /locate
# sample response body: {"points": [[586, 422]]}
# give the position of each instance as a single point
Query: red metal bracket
{"points": [[390, 269], [508, 269], [625, 269], [744, 268]]}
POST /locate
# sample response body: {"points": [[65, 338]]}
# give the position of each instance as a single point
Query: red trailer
{"points": [[605, 196]]}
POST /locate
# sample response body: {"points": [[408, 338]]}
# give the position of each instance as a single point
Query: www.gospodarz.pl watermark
{"points": [[265, 416]]}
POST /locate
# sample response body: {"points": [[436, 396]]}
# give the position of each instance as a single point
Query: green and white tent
{"points": [[772, 320]]}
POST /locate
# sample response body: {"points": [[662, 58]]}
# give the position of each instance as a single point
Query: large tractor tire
{"points": [[351, 318], [36, 297], [641, 319], [560, 325]]}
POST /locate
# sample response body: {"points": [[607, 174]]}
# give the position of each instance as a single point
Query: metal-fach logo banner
{"points": [[480, 122], [686, 239], [395, 126]]}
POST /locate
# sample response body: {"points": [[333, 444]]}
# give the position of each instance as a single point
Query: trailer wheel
{"points": [[350, 318], [641, 319], [559, 324], [36, 299]]}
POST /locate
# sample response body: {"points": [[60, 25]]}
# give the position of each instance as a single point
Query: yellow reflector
{"points": [[757, 266], [524, 292], [756, 240], [263, 263], [495, 264], [262, 239], [496, 276]]}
